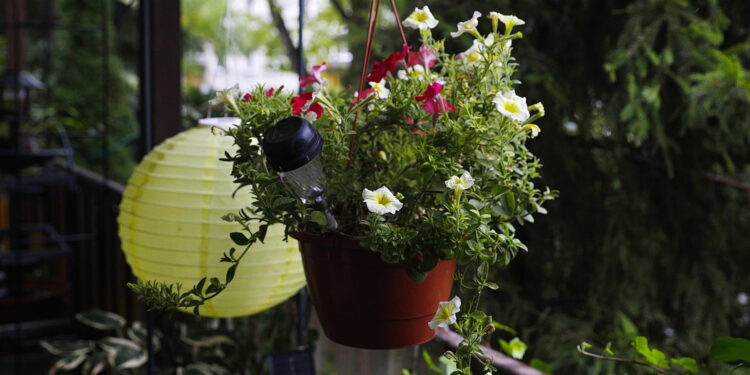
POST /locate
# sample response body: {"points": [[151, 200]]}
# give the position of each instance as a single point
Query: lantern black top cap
{"points": [[291, 143]]}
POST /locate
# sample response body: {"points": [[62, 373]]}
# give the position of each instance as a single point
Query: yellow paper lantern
{"points": [[171, 228]]}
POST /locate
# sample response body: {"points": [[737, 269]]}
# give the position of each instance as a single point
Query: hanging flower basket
{"points": [[388, 189], [364, 302]]}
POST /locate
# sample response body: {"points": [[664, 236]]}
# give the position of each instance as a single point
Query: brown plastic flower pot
{"points": [[364, 302]]}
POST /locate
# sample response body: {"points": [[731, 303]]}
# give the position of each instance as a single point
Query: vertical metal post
{"points": [[146, 118], [146, 102], [15, 14], [301, 71]]}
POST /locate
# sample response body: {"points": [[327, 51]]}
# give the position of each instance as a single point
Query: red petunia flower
{"points": [[298, 102], [380, 69], [299, 106], [247, 97], [269, 92], [315, 108]]}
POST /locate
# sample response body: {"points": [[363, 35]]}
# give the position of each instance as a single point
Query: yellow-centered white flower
{"points": [[512, 105], [421, 19], [380, 89], [467, 26], [473, 56], [446, 313], [381, 201], [416, 71], [460, 183], [510, 22]]}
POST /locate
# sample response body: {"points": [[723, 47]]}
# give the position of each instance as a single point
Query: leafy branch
{"points": [[167, 297], [652, 358]]}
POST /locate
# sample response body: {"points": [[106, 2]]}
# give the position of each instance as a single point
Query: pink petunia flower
{"points": [[314, 76], [425, 57], [433, 103]]}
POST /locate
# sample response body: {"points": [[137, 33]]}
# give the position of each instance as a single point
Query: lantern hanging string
{"points": [[230, 45], [373, 20]]}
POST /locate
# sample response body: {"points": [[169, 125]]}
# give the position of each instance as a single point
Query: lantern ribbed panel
{"points": [[171, 228]]}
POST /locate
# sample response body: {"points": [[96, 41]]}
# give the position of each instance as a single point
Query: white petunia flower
{"points": [[539, 107], [379, 87], [228, 97], [510, 22], [416, 71], [310, 116], [495, 17], [381, 201], [467, 26], [464, 182], [421, 19], [446, 313], [473, 56], [533, 128], [512, 105]]}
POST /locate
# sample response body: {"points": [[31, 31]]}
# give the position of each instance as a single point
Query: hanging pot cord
{"points": [[373, 20]]}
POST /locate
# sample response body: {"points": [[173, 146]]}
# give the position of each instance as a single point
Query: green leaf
{"points": [[137, 333], [239, 238], [206, 339], [117, 343], [230, 273], [95, 363], [502, 327], [659, 359], [127, 359], [280, 201], [405, 372], [492, 285], [509, 201], [730, 349], [653, 356], [202, 368], [66, 348], [628, 327], [123, 353], [199, 286], [67, 363], [541, 365], [515, 348], [430, 363], [319, 218], [608, 349], [641, 345], [686, 363], [101, 319]]}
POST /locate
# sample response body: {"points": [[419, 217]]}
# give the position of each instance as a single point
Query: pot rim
{"points": [[332, 238]]}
